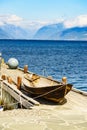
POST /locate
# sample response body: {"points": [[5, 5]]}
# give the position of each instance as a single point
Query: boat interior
{"points": [[34, 80]]}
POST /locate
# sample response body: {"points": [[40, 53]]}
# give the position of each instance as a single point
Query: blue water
{"points": [[55, 58]]}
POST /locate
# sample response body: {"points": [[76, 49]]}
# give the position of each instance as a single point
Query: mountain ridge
{"points": [[73, 33], [48, 32]]}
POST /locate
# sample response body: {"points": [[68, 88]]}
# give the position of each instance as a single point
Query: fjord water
{"points": [[51, 58]]}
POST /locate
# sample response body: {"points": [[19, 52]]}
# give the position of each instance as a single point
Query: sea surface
{"points": [[50, 58]]}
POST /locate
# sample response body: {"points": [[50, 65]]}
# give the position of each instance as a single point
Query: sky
{"points": [[40, 12]]}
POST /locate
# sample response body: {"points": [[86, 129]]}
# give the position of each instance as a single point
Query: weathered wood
{"points": [[8, 102], [19, 81], [26, 101], [25, 68], [15, 95]]}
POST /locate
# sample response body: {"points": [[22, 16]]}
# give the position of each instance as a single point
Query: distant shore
{"points": [[43, 40]]}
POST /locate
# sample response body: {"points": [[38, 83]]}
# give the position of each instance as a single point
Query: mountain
{"points": [[49, 31], [9, 31], [75, 33], [3, 35], [59, 32]]}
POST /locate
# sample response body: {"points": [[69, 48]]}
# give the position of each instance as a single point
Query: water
{"points": [[54, 58]]}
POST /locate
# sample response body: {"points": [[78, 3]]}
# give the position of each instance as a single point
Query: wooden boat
{"points": [[45, 87]]}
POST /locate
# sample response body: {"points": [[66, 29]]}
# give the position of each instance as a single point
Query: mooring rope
{"points": [[48, 92], [21, 101]]}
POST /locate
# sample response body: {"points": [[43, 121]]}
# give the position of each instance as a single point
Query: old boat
{"points": [[47, 88]]}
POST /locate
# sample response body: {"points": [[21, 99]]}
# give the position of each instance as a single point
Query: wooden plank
{"points": [[14, 73], [18, 97], [24, 102], [8, 101], [12, 86]]}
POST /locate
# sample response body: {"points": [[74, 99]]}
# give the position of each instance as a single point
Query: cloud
{"points": [[10, 19], [35, 25], [18, 21], [78, 21], [14, 19], [1, 23]]}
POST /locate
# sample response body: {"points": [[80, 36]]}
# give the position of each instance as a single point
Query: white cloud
{"points": [[10, 19], [18, 21], [34, 25], [78, 21], [1, 23], [14, 19]]}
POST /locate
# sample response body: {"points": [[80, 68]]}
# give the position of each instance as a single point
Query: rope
{"points": [[48, 92], [20, 101]]}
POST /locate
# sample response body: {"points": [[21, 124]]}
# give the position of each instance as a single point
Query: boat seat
{"points": [[31, 77]]}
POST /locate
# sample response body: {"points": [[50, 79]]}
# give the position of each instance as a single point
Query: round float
{"points": [[13, 63]]}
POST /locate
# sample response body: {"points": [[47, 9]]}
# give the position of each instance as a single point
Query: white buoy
{"points": [[13, 63]]}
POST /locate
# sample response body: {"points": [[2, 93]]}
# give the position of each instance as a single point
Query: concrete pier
{"points": [[48, 116]]}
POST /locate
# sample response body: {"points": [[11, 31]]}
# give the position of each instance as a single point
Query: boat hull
{"points": [[54, 93]]}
